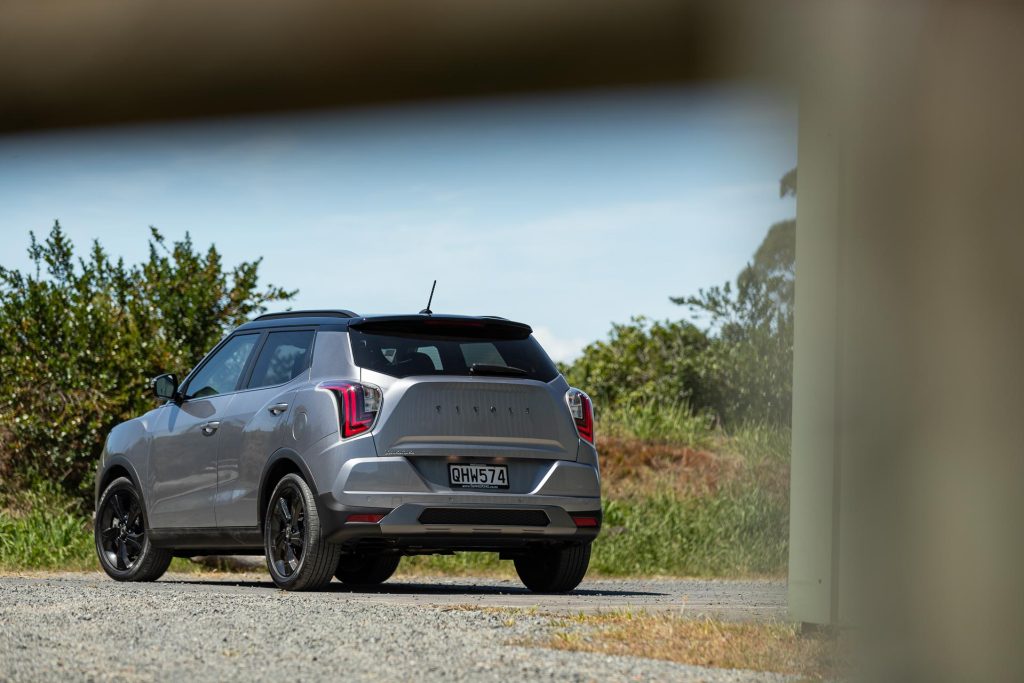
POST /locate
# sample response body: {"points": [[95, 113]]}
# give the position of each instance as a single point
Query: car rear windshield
{"points": [[404, 354]]}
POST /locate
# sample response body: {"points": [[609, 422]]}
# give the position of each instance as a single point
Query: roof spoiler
{"points": [[461, 327]]}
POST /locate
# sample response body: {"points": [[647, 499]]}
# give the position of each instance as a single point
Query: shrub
{"points": [[81, 337]]}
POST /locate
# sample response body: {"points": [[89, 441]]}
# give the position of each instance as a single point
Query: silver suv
{"points": [[334, 444]]}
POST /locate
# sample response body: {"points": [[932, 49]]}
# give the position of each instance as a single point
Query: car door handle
{"points": [[278, 408], [209, 428]]}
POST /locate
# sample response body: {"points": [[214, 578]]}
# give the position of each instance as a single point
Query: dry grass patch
{"points": [[770, 647], [632, 468]]}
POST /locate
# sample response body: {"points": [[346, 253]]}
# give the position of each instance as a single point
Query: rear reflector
{"points": [[371, 519], [585, 521]]}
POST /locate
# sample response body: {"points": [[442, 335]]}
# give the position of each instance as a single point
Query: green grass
{"points": [[759, 443], [45, 531], [736, 525], [657, 421], [459, 564], [739, 532], [735, 533]]}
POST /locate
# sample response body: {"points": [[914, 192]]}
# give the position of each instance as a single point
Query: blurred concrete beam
{"points": [[92, 62]]}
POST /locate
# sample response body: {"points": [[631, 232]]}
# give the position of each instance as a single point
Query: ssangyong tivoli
{"points": [[335, 444]]}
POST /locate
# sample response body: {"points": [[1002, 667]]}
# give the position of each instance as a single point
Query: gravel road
{"points": [[184, 627]]}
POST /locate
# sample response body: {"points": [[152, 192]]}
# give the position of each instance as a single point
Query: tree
{"points": [[81, 337], [738, 368], [751, 327]]}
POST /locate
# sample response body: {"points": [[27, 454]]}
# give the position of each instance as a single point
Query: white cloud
{"points": [[564, 350]]}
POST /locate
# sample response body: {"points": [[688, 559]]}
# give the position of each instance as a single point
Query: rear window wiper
{"points": [[487, 369]]}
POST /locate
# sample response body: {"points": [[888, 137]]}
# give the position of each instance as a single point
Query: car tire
{"points": [[122, 542], [366, 570], [298, 557], [554, 570]]}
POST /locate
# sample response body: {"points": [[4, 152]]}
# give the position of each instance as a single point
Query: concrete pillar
{"points": [[816, 451], [908, 443]]}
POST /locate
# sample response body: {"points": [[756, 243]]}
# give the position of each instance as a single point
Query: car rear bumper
{"points": [[438, 526], [538, 507]]}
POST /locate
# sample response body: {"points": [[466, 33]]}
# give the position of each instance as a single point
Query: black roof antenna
{"points": [[427, 311]]}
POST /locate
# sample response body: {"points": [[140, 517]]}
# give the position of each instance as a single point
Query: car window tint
{"points": [[432, 353], [282, 358], [484, 353], [412, 354], [222, 372]]}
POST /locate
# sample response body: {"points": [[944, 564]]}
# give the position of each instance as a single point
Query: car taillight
{"points": [[582, 411], [358, 406]]}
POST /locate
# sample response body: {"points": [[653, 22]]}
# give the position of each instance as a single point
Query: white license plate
{"points": [[468, 476]]}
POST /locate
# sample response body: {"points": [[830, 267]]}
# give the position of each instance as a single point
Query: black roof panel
{"points": [[331, 313], [341, 318]]}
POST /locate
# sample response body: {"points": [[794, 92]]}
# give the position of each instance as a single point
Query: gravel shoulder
{"points": [[85, 626]]}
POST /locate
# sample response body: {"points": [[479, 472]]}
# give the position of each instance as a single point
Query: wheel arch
{"points": [[119, 466], [282, 462]]}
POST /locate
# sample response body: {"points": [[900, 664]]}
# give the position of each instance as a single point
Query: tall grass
{"points": [[720, 511], [681, 498], [759, 443], [657, 421], [42, 529], [739, 532]]}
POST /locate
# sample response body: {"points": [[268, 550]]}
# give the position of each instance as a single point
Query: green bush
{"points": [[645, 361], [80, 339]]}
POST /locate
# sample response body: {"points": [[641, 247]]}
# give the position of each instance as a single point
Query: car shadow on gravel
{"points": [[474, 589], [420, 588]]}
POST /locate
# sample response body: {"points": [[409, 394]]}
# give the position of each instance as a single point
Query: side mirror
{"points": [[165, 387]]}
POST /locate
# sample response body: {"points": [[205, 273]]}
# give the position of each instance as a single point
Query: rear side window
{"points": [[282, 358], [406, 355]]}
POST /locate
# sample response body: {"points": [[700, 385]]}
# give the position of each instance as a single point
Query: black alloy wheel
{"points": [[287, 531], [298, 558], [122, 532], [124, 551]]}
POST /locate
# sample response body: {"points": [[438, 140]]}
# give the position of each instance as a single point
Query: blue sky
{"points": [[566, 212]]}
